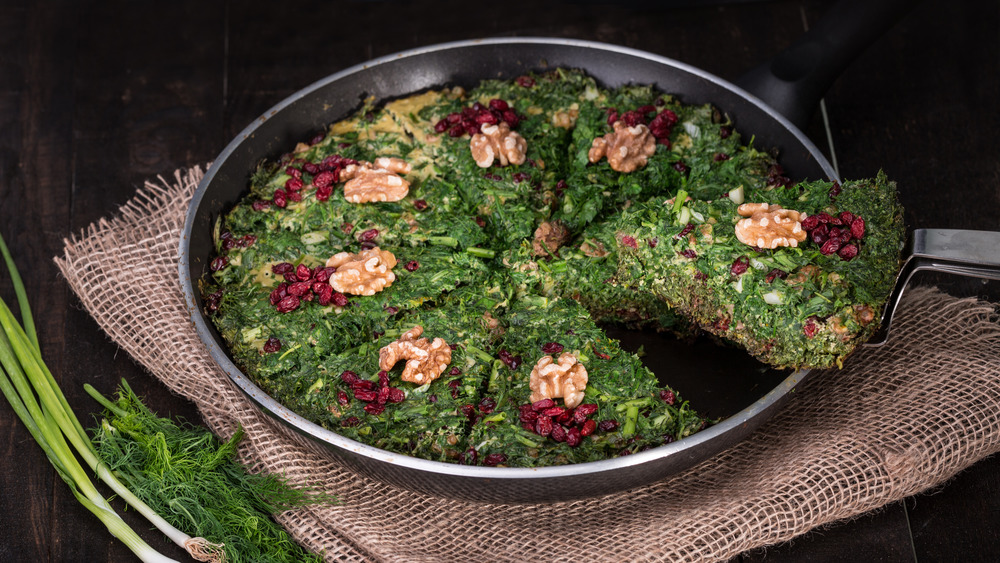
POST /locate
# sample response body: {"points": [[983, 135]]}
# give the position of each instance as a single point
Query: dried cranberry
{"points": [[480, 221], [298, 289], [519, 177], [383, 378], [680, 167], [468, 457], [566, 417], [278, 293], [512, 119], [487, 405], [294, 196], [725, 131], [494, 459], [529, 415], [739, 266], [311, 168], [552, 348], [342, 398], [366, 395], [633, 118], [525, 81], [368, 235], [810, 222], [629, 241], [612, 116], [543, 404], [583, 411], [272, 345], [456, 130], [368, 245], [820, 234], [349, 377], [280, 198], [261, 205], [350, 421], [669, 116], [324, 179], [486, 118], [558, 432], [293, 185], [454, 371], [830, 246], [391, 310], [441, 126], [775, 273], [848, 251], [432, 398], [858, 228], [364, 385], [573, 437], [553, 411], [293, 172], [287, 304], [419, 204], [691, 254], [219, 263], [588, 427], [509, 360], [543, 426], [720, 156], [810, 327], [383, 395], [667, 396], [602, 355], [608, 425], [454, 388], [338, 299], [834, 190], [652, 242], [374, 409], [322, 275], [687, 229]]}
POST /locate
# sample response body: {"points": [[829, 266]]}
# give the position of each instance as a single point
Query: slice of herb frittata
{"points": [[804, 306]]}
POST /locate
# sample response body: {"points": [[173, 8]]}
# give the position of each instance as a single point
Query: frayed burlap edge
{"points": [[894, 421]]}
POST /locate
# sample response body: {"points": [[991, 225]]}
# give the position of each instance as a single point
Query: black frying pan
{"points": [[720, 382]]}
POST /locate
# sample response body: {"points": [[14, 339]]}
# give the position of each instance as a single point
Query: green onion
{"points": [[35, 397]]}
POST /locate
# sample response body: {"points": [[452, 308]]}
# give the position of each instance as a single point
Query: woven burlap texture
{"points": [[894, 421]]}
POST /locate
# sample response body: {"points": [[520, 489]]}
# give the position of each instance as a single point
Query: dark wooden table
{"points": [[96, 97]]}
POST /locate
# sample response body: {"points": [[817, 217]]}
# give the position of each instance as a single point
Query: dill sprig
{"points": [[193, 480]]}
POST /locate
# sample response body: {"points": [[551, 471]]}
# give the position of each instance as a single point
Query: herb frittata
{"points": [[429, 275]]}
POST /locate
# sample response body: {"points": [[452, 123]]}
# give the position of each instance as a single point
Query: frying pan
{"points": [[721, 382]]}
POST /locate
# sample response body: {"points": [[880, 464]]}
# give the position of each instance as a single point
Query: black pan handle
{"points": [[795, 80]]}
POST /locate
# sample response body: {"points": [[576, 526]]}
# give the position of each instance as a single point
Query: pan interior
{"points": [[721, 382]]}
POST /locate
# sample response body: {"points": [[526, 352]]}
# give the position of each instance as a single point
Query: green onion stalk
{"points": [[36, 399]]}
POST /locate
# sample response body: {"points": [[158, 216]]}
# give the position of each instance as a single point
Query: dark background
{"points": [[96, 97]]}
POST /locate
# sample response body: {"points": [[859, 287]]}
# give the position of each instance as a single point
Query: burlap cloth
{"points": [[893, 422]]}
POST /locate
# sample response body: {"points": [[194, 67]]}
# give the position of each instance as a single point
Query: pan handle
{"points": [[795, 80], [952, 251]]}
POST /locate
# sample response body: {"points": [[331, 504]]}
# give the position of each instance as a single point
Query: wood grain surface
{"points": [[96, 97]]}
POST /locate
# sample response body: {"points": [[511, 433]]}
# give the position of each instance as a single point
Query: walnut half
{"points": [[566, 378], [378, 181], [426, 360], [365, 273], [627, 148], [769, 226], [498, 142], [549, 236]]}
